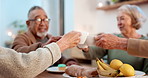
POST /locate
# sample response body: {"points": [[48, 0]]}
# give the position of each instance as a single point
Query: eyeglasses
{"points": [[39, 20]]}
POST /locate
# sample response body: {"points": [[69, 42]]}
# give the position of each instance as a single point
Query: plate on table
{"points": [[67, 76], [55, 70], [141, 73], [138, 74]]}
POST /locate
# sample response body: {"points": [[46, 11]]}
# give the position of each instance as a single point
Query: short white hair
{"points": [[137, 14]]}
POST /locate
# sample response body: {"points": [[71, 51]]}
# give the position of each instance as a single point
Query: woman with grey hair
{"points": [[130, 18], [137, 15], [29, 65], [136, 47]]}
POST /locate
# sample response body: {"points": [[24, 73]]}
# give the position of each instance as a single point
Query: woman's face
{"points": [[124, 23]]}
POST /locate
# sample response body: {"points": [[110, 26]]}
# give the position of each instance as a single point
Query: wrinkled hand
{"points": [[69, 40], [107, 41]]}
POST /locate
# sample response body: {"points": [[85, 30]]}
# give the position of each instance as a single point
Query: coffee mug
{"points": [[90, 41], [83, 37], [86, 40]]}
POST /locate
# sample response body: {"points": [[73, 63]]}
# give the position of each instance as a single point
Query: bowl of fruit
{"points": [[116, 69]]}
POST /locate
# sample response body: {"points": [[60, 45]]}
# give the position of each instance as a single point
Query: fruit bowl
{"points": [[117, 69], [138, 74]]}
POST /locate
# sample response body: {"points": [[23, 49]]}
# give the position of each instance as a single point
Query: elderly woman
{"points": [[29, 65], [130, 19]]}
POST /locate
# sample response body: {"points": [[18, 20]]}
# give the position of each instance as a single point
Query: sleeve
{"points": [[95, 52], [145, 68], [27, 65], [21, 44], [138, 47], [60, 61]]}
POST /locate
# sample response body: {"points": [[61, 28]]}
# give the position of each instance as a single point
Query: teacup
{"points": [[86, 40]]}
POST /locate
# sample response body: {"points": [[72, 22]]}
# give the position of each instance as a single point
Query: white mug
{"points": [[90, 41], [83, 37], [86, 40]]}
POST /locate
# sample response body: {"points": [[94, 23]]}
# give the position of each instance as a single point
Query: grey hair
{"points": [[136, 13], [34, 8]]}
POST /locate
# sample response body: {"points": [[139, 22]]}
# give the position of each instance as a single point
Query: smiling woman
{"points": [[137, 16], [129, 18]]}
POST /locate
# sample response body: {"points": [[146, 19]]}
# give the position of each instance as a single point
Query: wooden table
{"points": [[46, 74]]}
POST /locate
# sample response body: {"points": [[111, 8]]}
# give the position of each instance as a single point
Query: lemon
{"points": [[127, 70], [115, 64]]}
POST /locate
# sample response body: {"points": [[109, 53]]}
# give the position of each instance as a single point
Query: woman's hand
{"points": [[69, 40], [109, 41]]}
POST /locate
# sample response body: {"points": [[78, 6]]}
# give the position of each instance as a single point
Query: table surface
{"points": [[47, 74]]}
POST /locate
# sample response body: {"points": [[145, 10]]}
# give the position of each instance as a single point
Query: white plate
{"points": [[67, 76], [138, 73], [55, 69]]}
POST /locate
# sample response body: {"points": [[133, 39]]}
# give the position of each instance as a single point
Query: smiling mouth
{"points": [[121, 28], [42, 29]]}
